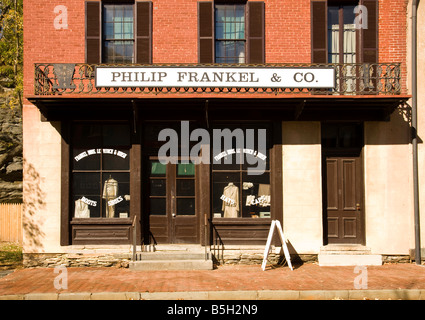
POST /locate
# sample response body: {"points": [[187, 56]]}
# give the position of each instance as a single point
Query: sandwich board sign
{"points": [[276, 224]]}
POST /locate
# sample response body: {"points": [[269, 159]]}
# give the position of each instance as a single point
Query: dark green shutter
{"points": [[93, 33], [206, 32], [143, 32], [370, 35], [319, 50], [255, 36]]}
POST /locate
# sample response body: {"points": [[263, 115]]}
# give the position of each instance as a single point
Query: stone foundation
{"points": [[122, 260], [76, 260]]}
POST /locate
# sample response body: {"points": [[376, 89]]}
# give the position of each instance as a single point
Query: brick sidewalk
{"points": [[226, 278]]}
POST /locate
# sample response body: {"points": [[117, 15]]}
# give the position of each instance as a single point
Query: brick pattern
{"points": [[393, 34], [43, 43], [288, 33]]}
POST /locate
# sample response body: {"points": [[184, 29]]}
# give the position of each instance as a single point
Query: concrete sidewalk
{"points": [[240, 282]]}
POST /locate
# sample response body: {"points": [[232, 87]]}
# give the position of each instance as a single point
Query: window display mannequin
{"points": [[230, 201], [110, 192], [81, 209]]}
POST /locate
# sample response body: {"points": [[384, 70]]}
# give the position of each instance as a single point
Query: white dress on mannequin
{"points": [[231, 201]]}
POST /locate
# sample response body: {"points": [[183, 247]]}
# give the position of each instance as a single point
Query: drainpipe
{"points": [[414, 133]]}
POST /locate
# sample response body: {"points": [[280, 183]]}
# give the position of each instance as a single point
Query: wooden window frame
{"points": [[112, 224], [142, 30], [319, 27], [254, 26], [244, 40], [104, 39]]}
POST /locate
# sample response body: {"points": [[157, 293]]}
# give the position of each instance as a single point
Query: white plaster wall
{"points": [[420, 106], [302, 186], [388, 186], [42, 183]]}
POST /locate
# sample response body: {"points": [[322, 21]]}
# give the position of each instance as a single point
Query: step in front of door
{"points": [[334, 260], [153, 265]]}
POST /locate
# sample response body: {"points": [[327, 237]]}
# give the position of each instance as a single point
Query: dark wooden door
{"points": [[343, 200], [171, 203]]}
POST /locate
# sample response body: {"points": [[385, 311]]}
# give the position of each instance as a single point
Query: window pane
{"points": [[186, 207], [230, 25], [226, 188], [349, 15], [256, 197], [185, 187], [87, 136], [220, 13], [185, 169], [158, 187], [115, 159], [86, 207], [158, 206], [85, 159], [116, 135], [108, 13], [157, 168], [86, 184], [230, 51], [116, 194], [109, 31], [219, 31], [118, 24]]}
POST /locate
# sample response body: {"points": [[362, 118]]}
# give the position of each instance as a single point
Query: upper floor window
{"points": [[118, 33], [335, 38], [341, 34], [230, 33]]}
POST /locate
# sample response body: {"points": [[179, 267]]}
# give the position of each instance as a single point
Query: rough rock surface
{"points": [[11, 161]]}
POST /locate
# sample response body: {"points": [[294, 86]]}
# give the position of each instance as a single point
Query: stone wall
{"points": [[76, 260], [11, 162]]}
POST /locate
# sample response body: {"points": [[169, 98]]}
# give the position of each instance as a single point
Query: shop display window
{"points": [[100, 171], [236, 191]]}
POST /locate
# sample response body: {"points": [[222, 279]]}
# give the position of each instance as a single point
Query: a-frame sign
{"points": [[276, 224]]}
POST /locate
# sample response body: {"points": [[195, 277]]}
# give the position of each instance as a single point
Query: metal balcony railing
{"points": [[351, 79]]}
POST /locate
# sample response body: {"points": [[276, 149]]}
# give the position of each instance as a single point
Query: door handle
{"points": [[173, 215], [358, 206]]}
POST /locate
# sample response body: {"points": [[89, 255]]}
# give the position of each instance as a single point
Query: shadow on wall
{"points": [[33, 204], [397, 131]]}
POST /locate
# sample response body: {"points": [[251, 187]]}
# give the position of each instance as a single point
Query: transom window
{"points": [[230, 39], [118, 33]]}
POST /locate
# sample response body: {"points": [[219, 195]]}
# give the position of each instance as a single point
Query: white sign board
{"points": [[276, 224], [215, 77]]}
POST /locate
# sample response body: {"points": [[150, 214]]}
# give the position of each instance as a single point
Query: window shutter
{"points": [[93, 35], [255, 39], [143, 32], [370, 35], [205, 32], [319, 13]]}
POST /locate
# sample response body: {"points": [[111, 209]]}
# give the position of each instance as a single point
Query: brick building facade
{"points": [[338, 160]]}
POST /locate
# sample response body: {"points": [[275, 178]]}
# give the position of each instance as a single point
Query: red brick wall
{"points": [[175, 33], [393, 34], [44, 44], [288, 31]]}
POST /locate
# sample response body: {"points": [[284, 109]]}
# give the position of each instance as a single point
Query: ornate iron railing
{"points": [[351, 79]]}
